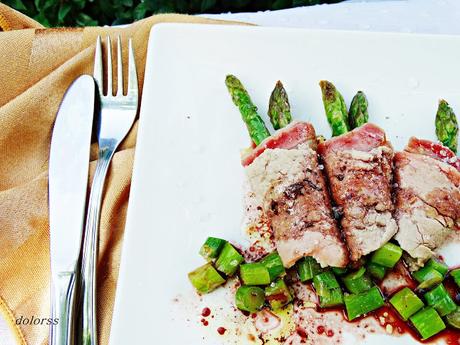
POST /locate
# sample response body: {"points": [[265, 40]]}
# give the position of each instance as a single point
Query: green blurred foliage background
{"points": [[52, 13]]}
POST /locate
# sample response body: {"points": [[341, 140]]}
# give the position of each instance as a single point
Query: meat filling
{"points": [[359, 169], [427, 200], [289, 185]]}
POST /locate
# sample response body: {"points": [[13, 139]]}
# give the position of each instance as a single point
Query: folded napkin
{"points": [[36, 67]]}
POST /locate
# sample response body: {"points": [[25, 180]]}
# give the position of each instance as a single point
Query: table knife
{"points": [[68, 179]]}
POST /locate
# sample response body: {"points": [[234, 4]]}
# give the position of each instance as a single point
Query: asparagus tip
{"points": [[328, 89]]}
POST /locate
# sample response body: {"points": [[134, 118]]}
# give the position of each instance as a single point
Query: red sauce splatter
{"points": [[330, 333], [320, 329], [301, 332], [206, 312], [245, 313], [204, 322], [221, 330]]}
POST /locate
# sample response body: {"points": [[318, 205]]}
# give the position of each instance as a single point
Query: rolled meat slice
{"points": [[427, 176], [287, 181], [359, 169]]}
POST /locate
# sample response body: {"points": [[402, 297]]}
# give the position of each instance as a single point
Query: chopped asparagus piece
{"points": [[376, 271], [339, 271], [328, 289], [205, 278], [335, 107], [387, 256], [212, 248], [439, 266], [358, 281], [456, 275], [427, 322], [365, 302], [446, 126], [331, 298], [254, 274], [274, 265], [277, 294], [358, 114], [406, 303], [307, 268], [440, 300], [427, 277], [453, 319], [325, 281], [279, 109], [256, 126], [229, 260], [249, 298]]}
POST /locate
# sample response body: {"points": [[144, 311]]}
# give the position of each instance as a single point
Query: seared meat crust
{"points": [[427, 203], [359, 169], [290, 186]]}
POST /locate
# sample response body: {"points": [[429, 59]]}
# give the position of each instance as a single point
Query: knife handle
{"points": [[62, 309]]}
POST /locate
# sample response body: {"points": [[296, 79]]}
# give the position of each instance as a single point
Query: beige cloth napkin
{"points": [[36, 67]]}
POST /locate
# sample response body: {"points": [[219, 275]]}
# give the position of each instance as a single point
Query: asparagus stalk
{"points": [[211, 248], [365, 302], [357, 282], [376, 271], [453, 319], [446, 126], [428, 322], [339, 271], [358, 114], [387, 256], [274, 265], [406, 303], [229, 260], [440, 300], [307, 268], [205, 278], [439, 266], [427, 277], [335, 107], [254, 274], [456, 276], [249, 298], [328, 289], [256, 126], [278, 294], [279, 109]]}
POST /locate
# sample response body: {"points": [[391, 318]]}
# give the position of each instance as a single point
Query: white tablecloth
{"points": [[417, 16]]}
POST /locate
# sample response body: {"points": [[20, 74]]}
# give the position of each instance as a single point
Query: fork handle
{"points": [[62, 308], [90, 248]]}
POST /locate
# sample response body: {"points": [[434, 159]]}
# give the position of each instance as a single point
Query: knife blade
{"points": [[67, 187]]}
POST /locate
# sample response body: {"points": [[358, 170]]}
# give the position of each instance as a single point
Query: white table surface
{"points": [[416, 16]]}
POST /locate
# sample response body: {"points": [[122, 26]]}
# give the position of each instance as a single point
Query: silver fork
{"points": [[116, 117]]}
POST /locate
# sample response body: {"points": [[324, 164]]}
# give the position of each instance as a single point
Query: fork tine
{"points": [[109, 67], [98, 71], [119, 68], [132, 73]]}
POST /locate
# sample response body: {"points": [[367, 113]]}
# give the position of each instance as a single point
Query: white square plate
{"points": [[187, 181]]}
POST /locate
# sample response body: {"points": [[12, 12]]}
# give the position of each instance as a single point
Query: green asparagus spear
{"points": [[335, 107], [358, 114], [205, 278], [256, 126], [446, 126], [279, 109], [249, 298]]}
